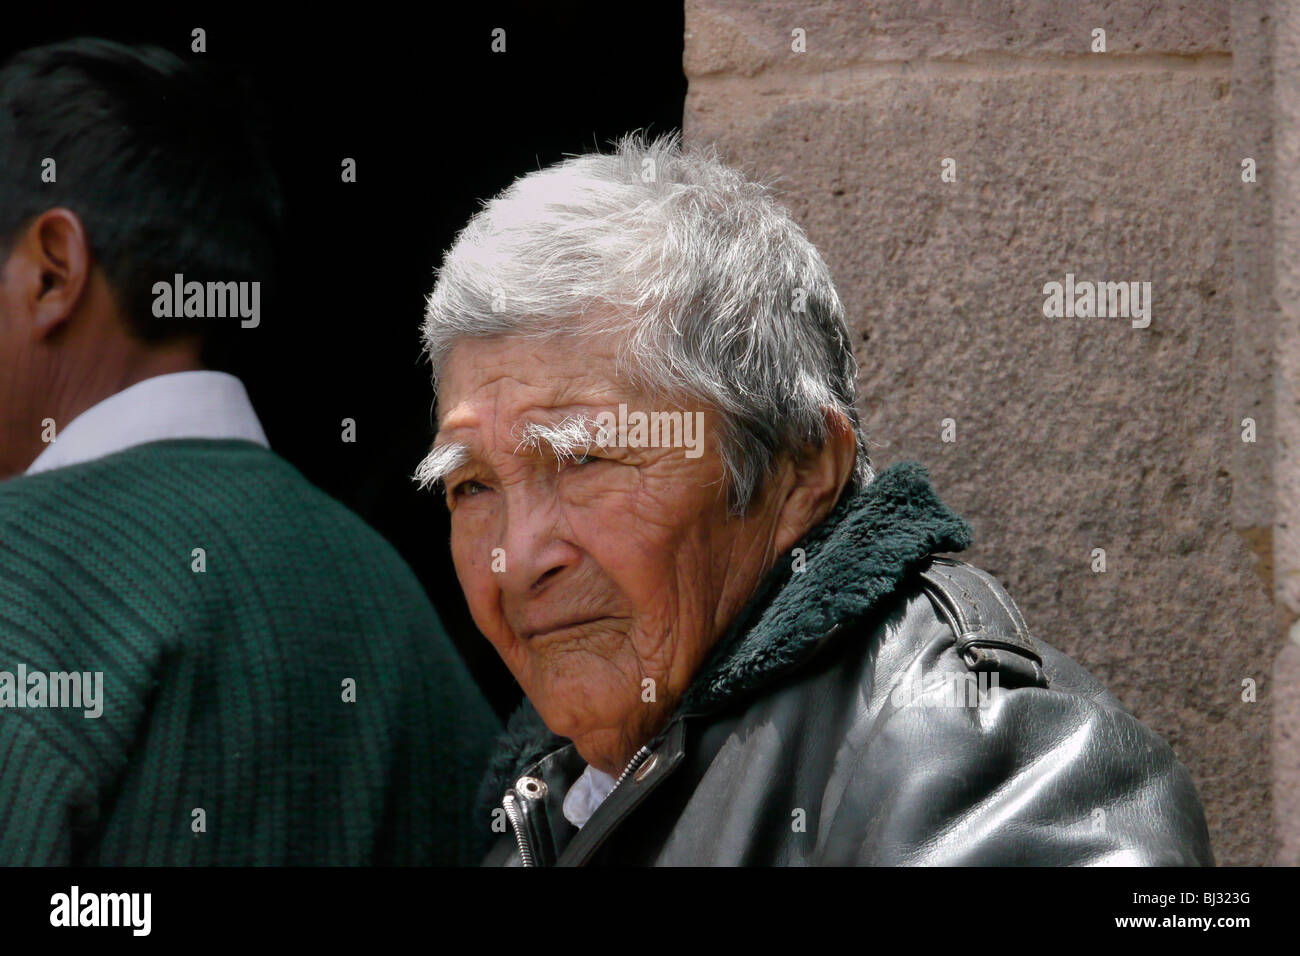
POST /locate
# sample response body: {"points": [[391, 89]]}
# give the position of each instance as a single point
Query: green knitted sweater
{"points": [[294, 702]]}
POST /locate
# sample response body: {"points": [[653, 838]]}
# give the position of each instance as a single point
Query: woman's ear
{"points": [[817, 480]]}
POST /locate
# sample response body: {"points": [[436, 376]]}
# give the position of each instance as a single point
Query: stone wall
{"points": [[1057, 437]]}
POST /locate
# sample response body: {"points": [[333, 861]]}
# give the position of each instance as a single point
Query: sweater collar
{"points": [[840, 571]]}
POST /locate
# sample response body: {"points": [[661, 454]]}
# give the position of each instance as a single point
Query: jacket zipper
{"points": [[638, 758], [510, 803], [515, 809]]}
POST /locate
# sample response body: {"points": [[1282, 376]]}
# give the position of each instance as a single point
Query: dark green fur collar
{"points": [[852, 561]]}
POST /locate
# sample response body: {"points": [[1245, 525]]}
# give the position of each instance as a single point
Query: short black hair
{"points": [[163, 159]]}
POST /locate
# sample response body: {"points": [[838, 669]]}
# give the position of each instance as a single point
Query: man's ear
{"points": [[818, 477], [51, 263]]}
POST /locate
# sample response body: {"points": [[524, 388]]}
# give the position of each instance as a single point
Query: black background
{"points": [[437, 122]]}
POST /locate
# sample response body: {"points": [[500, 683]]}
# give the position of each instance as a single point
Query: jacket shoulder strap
{"points": [[991, 634]]}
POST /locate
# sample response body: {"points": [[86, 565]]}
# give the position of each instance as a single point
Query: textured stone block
{"points": [[745, 37]]}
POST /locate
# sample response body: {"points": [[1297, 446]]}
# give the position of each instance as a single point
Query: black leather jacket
{"points": [[877, 706]]}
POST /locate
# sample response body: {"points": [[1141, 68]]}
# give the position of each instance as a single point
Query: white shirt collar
{"points": [[587, 793], [200, 404]]}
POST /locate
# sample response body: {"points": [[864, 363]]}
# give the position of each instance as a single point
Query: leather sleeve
{"points": [[1035, 776]]}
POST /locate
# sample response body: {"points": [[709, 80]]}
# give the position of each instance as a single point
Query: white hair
{"points": [[712, 292]]}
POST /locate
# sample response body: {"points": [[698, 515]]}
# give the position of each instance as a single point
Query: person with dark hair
{"points": [[203, 658]]}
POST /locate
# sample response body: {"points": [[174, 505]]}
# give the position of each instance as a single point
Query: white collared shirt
{"points": [[587, 793], [199, 404]]}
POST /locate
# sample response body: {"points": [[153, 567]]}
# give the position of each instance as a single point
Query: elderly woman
{"points": [[736, 642]]}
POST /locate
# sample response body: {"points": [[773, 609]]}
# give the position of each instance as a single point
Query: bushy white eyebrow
{"points": [[568, 439], [441, 461]]}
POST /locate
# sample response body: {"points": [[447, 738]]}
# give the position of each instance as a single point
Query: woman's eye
{"points": [[463, 489], [590, 458]]}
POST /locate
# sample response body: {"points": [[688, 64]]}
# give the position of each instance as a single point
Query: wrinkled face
{"points": [[616, 573]]}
